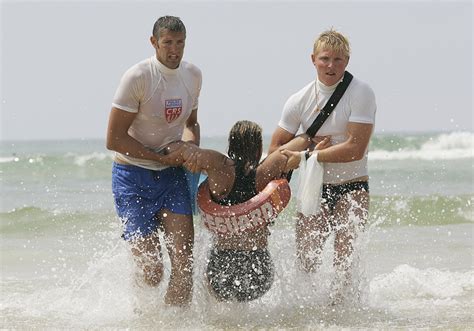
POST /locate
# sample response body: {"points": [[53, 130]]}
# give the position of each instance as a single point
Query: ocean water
{"points": [[64, 265]]}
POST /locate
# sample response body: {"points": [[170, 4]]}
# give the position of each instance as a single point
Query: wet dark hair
{"points": [[245, 144], [169, 23]]}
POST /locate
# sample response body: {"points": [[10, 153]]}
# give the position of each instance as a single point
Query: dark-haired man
{"points": [[156, 103]]}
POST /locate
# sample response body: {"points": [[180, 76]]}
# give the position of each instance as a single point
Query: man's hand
{"points": [[192, 157], [322, 142], [171, 148], [178, 152], [294, 159]]}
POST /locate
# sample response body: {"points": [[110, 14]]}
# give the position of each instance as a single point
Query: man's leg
{"points": [[311, 235], [147, 253], [351, 214], [131, 190], [179, 238]]}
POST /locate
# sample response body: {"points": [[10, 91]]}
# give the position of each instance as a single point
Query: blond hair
{"points": [[332, 40]]}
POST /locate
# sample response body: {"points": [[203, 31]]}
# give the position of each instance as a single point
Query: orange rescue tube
{"points": [[257, 212]]}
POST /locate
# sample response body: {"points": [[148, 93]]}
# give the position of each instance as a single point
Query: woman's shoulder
{"points": [[221, 182]]}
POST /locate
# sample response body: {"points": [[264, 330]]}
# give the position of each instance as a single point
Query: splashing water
{"points": [[64, 264]]}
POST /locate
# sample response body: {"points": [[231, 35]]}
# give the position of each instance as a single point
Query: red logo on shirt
{"points": [[173, 109]]}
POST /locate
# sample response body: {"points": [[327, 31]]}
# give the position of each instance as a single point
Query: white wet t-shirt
{"points": [[163, 99], [356, 105]]}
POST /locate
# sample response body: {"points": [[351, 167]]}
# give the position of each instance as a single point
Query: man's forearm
{"points": [[299, 143], [353, 149], [130, 147], [340, 153]]}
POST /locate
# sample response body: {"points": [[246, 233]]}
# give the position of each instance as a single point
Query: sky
{"points": [[61, 61]]}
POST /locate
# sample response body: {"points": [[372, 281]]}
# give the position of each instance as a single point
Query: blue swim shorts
{"points": [[140, 194]]}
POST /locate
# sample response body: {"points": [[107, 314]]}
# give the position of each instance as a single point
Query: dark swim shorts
{"points": [[240, 275], [332, 193]]}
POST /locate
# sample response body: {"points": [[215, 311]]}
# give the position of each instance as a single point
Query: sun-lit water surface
{"points": [[64, 264]]}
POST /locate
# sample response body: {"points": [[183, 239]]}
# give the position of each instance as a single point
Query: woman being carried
{"points": [[240, 267]]}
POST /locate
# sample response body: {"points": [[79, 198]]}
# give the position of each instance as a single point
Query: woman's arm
{"points": [[271, 168], [283, 159], [218, 167]]}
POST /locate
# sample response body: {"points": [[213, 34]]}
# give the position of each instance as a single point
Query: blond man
{"points": [[347, 131]]}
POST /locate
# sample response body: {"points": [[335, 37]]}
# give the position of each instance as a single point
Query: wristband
{"points": [[303, 155]]}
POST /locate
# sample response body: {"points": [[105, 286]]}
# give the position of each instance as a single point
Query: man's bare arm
{"points": [[192, 130], [120, 141], [279, 138], [353, 149]]}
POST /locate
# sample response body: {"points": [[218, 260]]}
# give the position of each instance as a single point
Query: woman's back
{"points": [[244, 187]]}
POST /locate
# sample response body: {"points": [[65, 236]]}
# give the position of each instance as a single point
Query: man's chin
{"points": [[172, 65]]}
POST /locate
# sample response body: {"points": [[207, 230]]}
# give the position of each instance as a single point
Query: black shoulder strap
{"points": [[330, 105]]}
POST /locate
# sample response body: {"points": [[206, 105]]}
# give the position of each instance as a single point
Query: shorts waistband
{"points": [[355, 183], [135, 167]]}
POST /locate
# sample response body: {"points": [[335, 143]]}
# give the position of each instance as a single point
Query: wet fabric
{"points": [[333, 193], [244, 187], [240, 275], [140, 193]]}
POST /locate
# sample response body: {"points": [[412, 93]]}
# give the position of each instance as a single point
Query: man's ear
{"points": [[154, 41]]}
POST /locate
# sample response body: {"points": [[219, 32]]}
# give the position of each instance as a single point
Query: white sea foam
{"points": [[407, 282], [452, 146], [9, 159], [409, 292], [81, 160], [31, 160]]}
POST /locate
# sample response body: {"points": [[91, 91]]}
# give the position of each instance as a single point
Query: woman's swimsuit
{"points": [[240, 275]]}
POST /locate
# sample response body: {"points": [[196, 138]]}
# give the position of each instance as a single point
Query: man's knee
{"points": [[147, 254], [308, 263], [153, 274], [309, 257]]}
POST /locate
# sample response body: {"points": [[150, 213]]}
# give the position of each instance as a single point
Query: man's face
{"points": [[169, 48], [330, 66]]}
